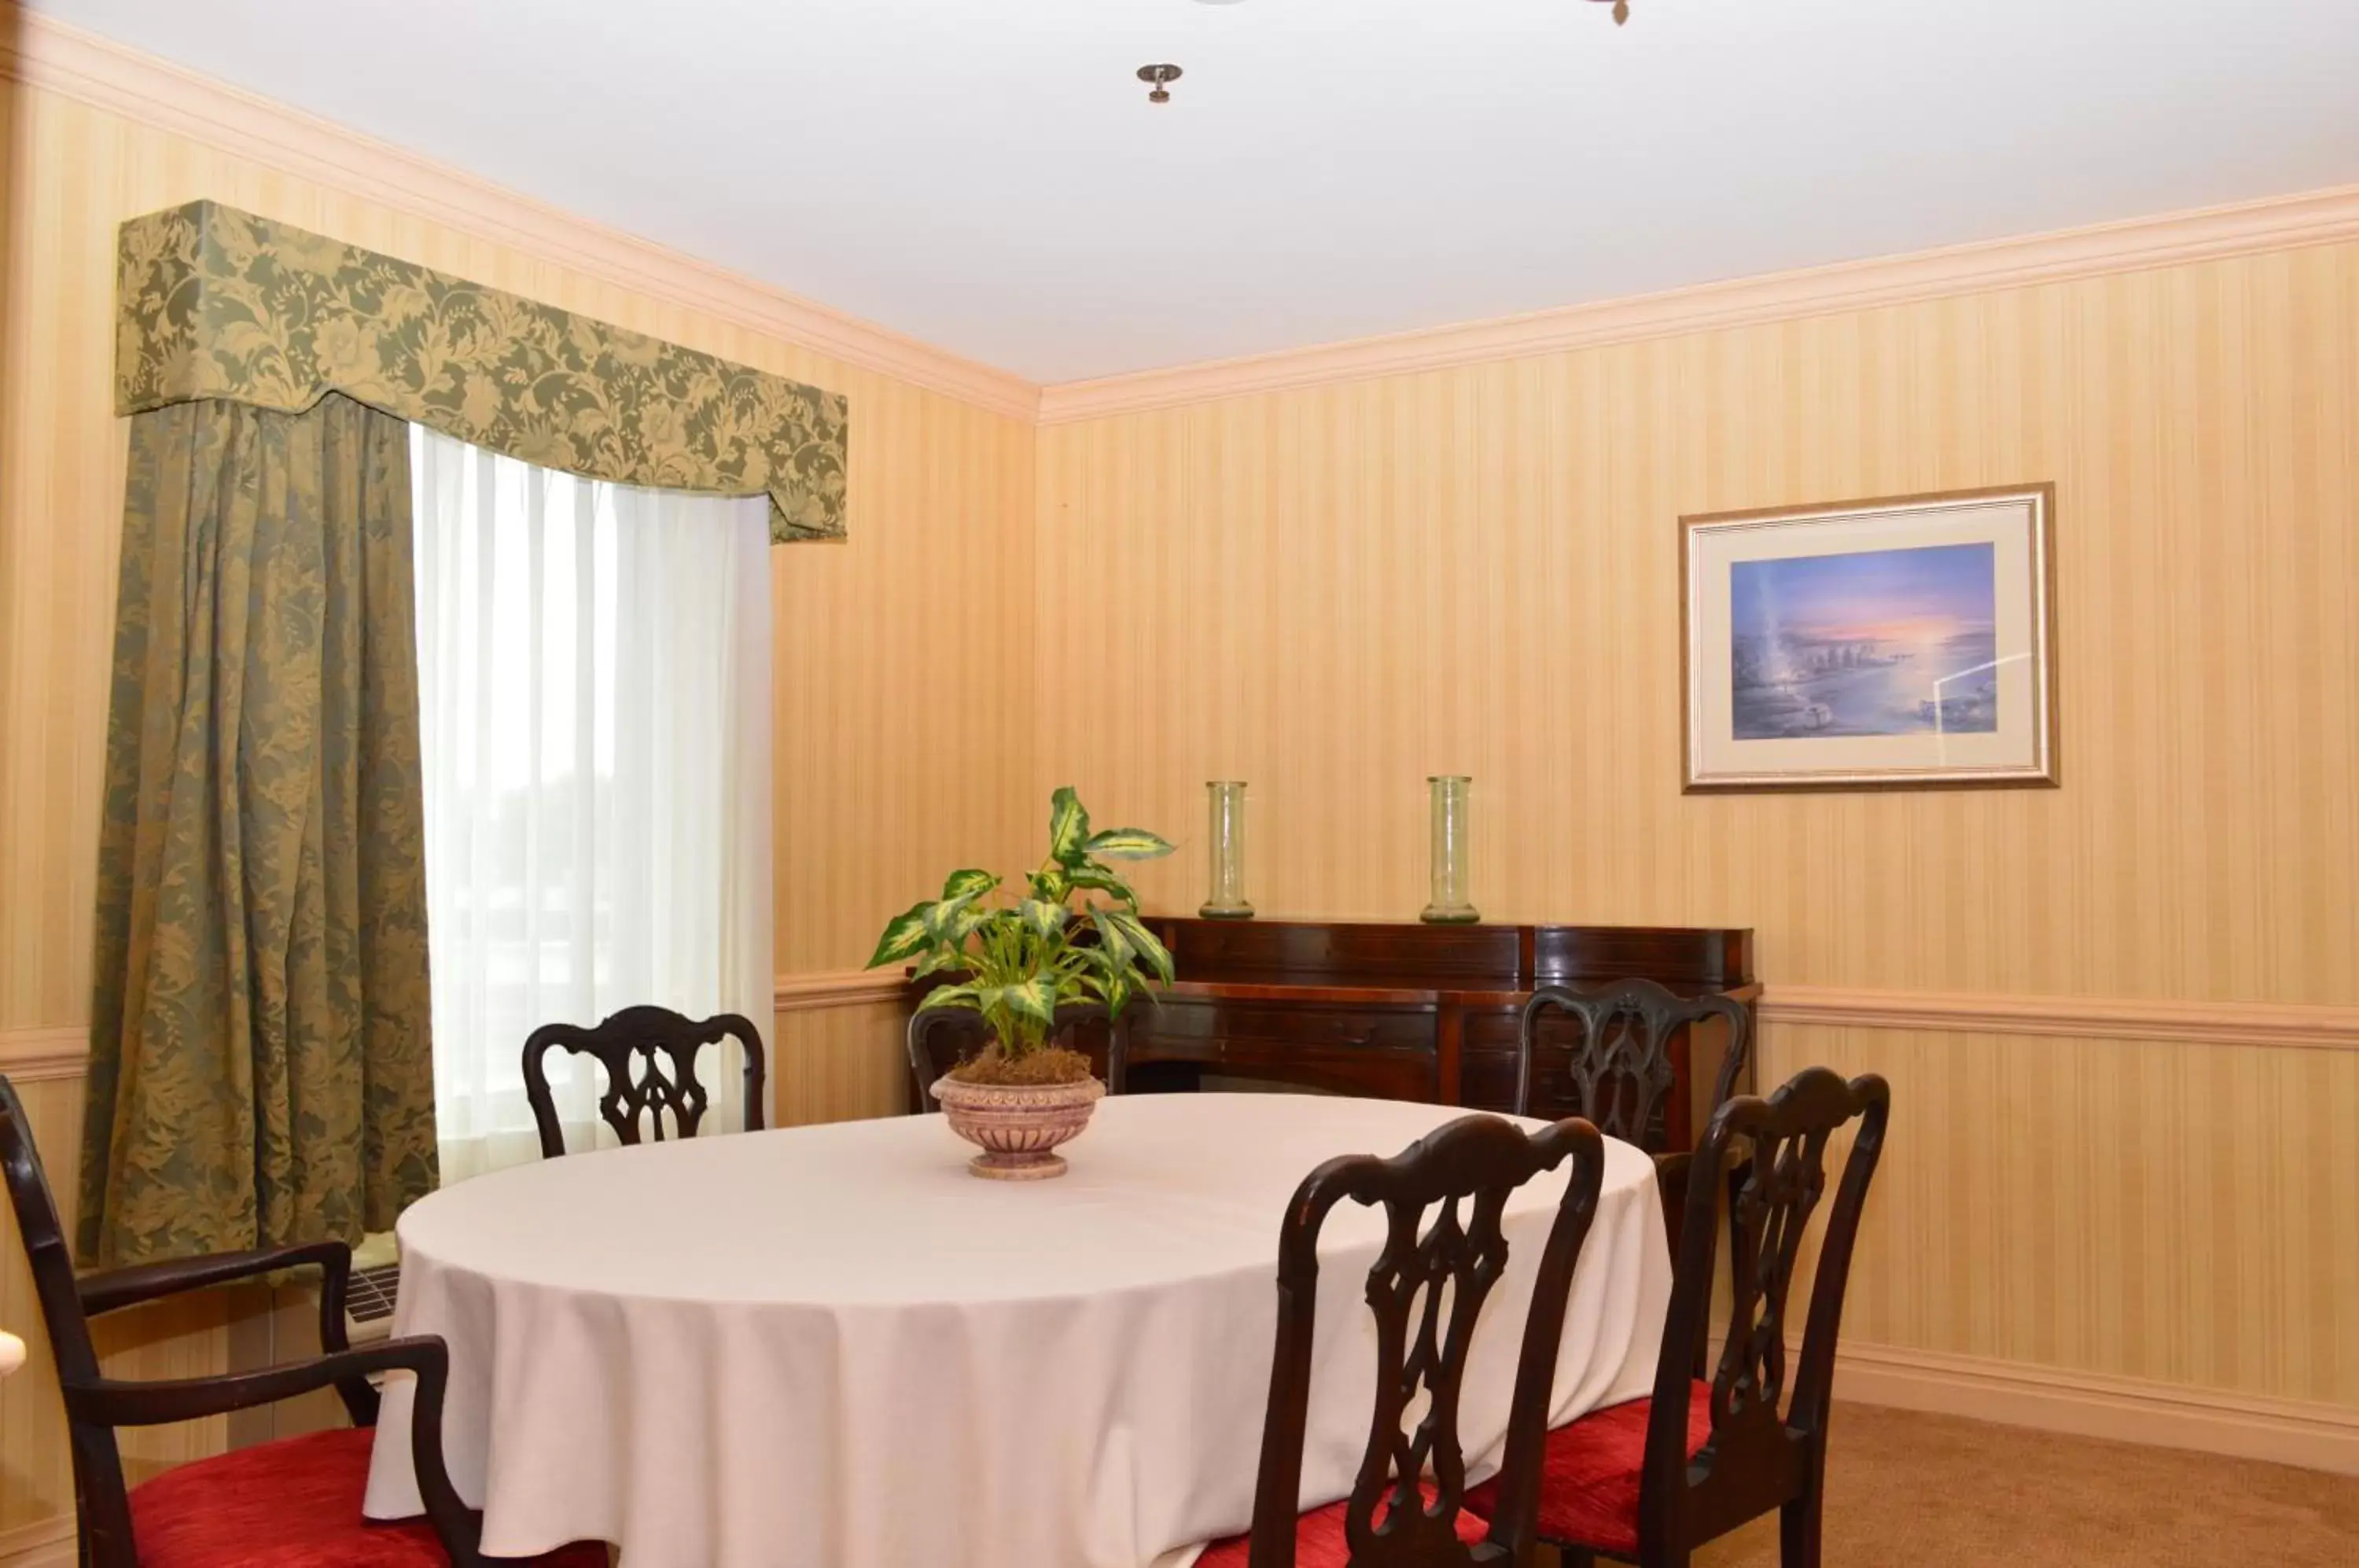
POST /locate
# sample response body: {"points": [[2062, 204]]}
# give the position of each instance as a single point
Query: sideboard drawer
{"points": [[1370, 1050]]}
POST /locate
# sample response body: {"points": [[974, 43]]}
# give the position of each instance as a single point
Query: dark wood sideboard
{"points": [[1406, 1011]]}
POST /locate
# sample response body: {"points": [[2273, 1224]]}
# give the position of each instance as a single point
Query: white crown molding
{"points": [[32, 1055], [2079, 1018], [2322, 217], [58, 57], [53, 57], [838, 989]]}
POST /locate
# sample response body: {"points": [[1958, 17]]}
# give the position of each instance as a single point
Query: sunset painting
{"points": [[1890, 642]]}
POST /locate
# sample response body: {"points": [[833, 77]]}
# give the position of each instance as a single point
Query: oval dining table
{"points": [[832, 1346]]}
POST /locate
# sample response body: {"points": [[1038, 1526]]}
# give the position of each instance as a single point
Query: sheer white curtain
{"points": [[594, 666]]}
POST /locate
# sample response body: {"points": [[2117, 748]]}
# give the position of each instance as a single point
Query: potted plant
{"points": [[1073, 936]]}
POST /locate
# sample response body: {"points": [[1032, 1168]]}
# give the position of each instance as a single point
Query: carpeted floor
{"points": [[1916, 1491]]}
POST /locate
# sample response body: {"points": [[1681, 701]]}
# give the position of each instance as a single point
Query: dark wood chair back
{"points": [[649, 1055], [1767, 1448], [1443, 1251], [99, 1487], [96, 1404], [940, 1038], [1620, 1061]]}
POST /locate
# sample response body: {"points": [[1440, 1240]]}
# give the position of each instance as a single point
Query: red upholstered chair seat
{"points": [[1590, 1470], [1319, 1538], [295, 1503]]}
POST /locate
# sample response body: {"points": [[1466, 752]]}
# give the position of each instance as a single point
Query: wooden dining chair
{"points": [[1444, 1250], [1619, 1066], [1649, 1481], [649, 1055], [938, 1038], [294, 1503]]}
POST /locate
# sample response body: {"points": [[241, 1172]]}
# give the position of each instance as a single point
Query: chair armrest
{"points": [[123, 1288], [115, 1401], [152, 1281]]}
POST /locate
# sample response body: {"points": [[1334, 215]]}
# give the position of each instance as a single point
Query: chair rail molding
{"points": [[56, 57], [2079, 1018], [2282, 222], [838, 989], [1956, 1012], [31, 1055]]}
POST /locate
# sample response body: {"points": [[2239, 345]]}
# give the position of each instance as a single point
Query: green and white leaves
{"points": [[905, 937], [968, 884], [1143, 944], [1018, 960], [1043, 919], [1068, 827], [960, 997], [1126, 844]]}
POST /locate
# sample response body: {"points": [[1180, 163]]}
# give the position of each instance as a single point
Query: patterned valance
{"points": [[216, 303]]}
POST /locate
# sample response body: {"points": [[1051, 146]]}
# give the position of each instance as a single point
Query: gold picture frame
{"points": [[1906, 643]]}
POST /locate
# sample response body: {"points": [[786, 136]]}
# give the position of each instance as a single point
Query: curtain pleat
{"points": [[260, 1063]]}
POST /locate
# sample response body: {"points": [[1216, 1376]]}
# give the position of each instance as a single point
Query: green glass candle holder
{"points": [[1448, 903], [1226, 800]]}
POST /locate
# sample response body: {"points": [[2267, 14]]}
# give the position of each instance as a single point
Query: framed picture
{"points": [[1901, 644]]}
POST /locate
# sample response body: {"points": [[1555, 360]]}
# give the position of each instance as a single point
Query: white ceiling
{"points": [[989, 177]]}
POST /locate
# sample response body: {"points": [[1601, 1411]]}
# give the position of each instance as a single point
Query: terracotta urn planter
{"points": [[1018, 1126]]}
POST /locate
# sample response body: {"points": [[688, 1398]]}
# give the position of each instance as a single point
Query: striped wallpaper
{"points": [[1332, 591]]}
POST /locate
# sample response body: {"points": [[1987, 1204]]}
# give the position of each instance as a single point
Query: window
{"points": [[594, 694]]}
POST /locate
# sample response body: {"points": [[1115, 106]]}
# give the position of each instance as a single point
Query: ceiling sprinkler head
{"points": [[1160, 78]]}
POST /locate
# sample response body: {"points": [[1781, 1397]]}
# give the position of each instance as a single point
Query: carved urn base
{"points": [[1018, 1126]]}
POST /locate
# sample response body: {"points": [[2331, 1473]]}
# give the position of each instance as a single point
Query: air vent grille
{"points": [[371, 1298]]}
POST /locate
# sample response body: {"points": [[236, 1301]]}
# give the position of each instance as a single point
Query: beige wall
{"points": [[1334, 591], [878, 788]]}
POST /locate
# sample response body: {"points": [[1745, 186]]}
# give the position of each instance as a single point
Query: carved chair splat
{"points": [[650, 1057], [1621, 1067], [1444, 1249]]}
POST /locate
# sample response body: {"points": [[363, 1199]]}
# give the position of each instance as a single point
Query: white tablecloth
{"points": [[830, 1346]]}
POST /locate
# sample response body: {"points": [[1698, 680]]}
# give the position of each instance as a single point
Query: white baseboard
{"points": [[48, 1543], [2082, 1404]]}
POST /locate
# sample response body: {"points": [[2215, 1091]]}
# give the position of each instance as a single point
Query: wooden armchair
{"points": [[295, 1503], [634, 1045], [1442, 1197]]}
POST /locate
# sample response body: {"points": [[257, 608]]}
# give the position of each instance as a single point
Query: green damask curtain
{"points": [[259, 1061], [212, 302]]}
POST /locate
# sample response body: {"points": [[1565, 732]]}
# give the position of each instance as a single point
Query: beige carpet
{"points": [[1935, 1492]]}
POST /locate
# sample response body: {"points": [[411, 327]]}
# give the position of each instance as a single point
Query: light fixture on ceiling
{"points": [[1160, 78]]}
